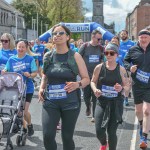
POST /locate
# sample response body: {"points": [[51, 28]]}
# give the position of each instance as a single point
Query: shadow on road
{"points": [[84, 134]]}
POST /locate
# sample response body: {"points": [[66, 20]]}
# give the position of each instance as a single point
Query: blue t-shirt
{"points": [[4, 56], [20, 65], [39, 49], [123, 50]]}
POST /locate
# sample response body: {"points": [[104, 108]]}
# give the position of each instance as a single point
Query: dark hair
{"points": [[96, 32], [22, 40], [67, 31], [116, 37], [124, 31]]}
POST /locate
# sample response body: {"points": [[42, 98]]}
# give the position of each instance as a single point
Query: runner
{"points": [[139, 57], [8, 49], [125, 44], [108, 81], [24, 64], [61, 99], [92, 53]]}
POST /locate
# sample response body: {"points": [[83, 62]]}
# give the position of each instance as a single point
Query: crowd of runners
{"points": [[102, 73]]}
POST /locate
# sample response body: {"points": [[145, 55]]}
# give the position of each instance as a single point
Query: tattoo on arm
{"points": [[44, 80], [125, 75]]}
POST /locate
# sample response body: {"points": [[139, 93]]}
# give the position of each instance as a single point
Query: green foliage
{"points": [[50, 12]]}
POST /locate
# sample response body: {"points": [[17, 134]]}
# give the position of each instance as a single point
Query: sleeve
{"points": [[33, 66], [127, 61], [82, 49], [7, 66], [46, 60]]}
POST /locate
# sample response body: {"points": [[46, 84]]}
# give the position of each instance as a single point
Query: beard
{"points": [[124, 38]]}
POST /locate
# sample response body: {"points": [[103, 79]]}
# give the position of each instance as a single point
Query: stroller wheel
{"points": [[18, 140], [24, 138]]}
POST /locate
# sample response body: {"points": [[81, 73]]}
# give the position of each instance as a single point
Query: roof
{"points": [[8, 7]]}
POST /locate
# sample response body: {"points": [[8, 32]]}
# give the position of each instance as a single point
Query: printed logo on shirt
{"points": [[19, 66], [93, 58], [57, 92], [142, 76], [109, 91]]}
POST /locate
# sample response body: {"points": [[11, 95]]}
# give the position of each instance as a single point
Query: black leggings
{"points": [[88, 97], [50, 120], [111, 128]]}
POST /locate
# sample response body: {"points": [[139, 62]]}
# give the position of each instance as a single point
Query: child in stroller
{"points": [[12, 100]]}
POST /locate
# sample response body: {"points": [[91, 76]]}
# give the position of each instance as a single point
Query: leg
{"points": [[87, 99], [100, 132], [50, 119], [112, 129], [94, 103], [146, 117], [139, 111], [69, 118]]}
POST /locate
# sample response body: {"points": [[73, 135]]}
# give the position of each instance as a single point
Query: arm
{"points": [[94, 80], [42, 87], [125, 79]]}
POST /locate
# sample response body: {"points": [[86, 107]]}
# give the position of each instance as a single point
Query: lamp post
{"points": [[34, 21], [46, 26]]}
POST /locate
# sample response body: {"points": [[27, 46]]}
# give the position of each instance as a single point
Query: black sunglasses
{"points": [[59, 33], [4, 41], [111, 53]]}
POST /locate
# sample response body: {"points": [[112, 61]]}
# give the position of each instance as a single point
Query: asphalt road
{"points": [[84, 136]]}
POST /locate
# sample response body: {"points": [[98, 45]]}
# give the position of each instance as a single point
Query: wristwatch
{"points": [[80, 84]]}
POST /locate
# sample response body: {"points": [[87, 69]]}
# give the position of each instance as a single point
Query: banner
{"points": [[80, 28]]}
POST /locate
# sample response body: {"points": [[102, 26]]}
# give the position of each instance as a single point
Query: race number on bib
{"points": [[57, 91], [142, 76], [109, 91], [93, 58]]}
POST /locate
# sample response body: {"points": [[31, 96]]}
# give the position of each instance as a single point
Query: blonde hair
{"points": [[11, 40], [30, 52], [50, 46]]}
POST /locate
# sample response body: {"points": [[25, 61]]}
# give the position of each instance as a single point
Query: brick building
{"points": [[138, 19]]}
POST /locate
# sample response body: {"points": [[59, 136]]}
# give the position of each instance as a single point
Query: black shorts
{"points": [[29, 97], [141, 94]]}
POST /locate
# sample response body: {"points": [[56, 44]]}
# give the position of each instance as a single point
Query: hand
{"points": [[3, 72], [41, 98], [133, 68], [97, 93], [26, 74], [117, 87], [71, 86]]}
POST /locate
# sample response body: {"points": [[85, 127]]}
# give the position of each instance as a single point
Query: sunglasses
{"points": [[111, 53], [59, 33], [4, 41]]}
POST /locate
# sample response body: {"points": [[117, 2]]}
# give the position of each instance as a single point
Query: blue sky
{"points": [[114, 10]]}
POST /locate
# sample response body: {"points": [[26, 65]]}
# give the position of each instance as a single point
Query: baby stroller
{"points": [[12, 101]]}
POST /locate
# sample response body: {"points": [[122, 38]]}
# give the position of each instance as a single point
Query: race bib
{"points": [[57, 92], [109, 91], [19, 66], [142, 76], [93, 58]]}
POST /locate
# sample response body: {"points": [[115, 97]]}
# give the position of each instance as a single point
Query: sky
{"points": [[114, 10]]}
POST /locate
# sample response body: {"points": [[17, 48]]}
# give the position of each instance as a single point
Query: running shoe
{"points": [[93, 120], [30, 130], [143, 143], [103, 147], [126, 103]]}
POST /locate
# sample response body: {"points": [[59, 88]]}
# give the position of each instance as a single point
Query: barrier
{"points": [[80, 28]]}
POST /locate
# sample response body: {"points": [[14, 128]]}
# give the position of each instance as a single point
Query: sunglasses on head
{"points": [[111, 53], [59, 33], [4, 41]]}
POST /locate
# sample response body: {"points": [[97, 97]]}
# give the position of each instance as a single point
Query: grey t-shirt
{"points": [[92, 55]]}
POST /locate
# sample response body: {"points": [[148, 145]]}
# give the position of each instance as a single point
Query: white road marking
{"points": [[133, 140]]}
